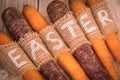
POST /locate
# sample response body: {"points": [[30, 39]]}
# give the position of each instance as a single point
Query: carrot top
{"points": [[75, 8], [93, 2], [39, 22]]}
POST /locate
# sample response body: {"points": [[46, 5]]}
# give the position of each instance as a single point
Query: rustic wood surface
{"points": [[114, 6], [41, 5]]}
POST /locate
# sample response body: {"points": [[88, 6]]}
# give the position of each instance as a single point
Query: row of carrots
{"points": [[79, 41]]}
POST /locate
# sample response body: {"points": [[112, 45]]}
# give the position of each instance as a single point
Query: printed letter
{"points": [[56, 47], [85, 25], [15, 58], [104, 17], [35, 46], [70, 28]]}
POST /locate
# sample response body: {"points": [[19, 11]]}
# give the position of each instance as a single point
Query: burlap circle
{"points": [[72, 41], [21, 63], [53, 41], [35, 48], [110, 27], [89, 27]]}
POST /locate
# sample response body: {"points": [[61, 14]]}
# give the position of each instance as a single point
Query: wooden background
{"points": [[41, 5]]}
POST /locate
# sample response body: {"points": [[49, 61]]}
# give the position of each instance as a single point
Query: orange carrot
{"points": [[114, 45], [37, 21], [112, 38], [105, 57], [4, 39], [65, 59], [29, 75], [19, 28], [98, 44]]}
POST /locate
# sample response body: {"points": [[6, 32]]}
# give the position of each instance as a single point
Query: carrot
{"points": [[83, 53], [4, 39], [29, 75], [114, 45], [32, 75], [65, 59], [71, 66], [38, 22], [98, 44], [17, 25], [93, 2], [110, 38], [106, 59]]}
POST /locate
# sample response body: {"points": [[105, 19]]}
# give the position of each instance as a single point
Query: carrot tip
{"points": [[25, 5]]}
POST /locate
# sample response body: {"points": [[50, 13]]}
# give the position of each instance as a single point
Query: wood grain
{"points": [[114, 6], [41, 5]]}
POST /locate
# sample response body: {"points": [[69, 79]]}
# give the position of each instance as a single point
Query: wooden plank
{"points": [[31, 2], [1, 9], [43, 6], [117, 8], [35, 3], [20, 4], [3, 3], [11, 3], [114, 6]]}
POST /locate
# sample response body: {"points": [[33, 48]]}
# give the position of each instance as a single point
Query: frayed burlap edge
{"points": [[57, 52], [8, 63], [42, 57], [112, 27], [80, 40], [63, 18], [83, 42], [94, 34]]}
